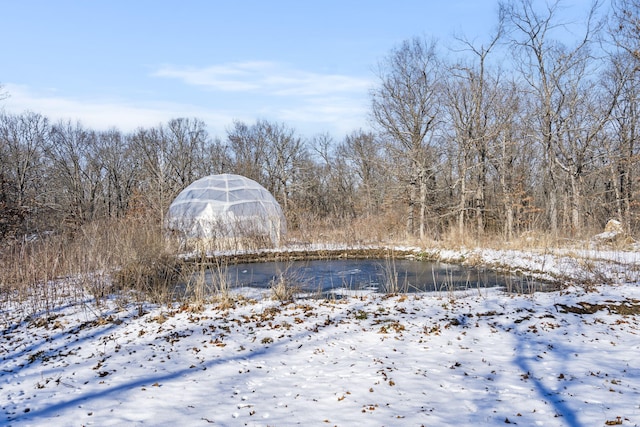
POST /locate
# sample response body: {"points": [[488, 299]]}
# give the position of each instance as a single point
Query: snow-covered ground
{"points": [[482, 357]]}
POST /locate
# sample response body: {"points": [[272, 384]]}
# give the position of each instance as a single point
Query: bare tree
{"points": [[405, 108], [625, 27], [339, 182], [620, 145], [186, 142], [22, 172], [514, 158], [471, 97], [23, 139], [283, 152], [269, 153], [248, 151], [77, 171], [312, 191], [156, 189], [217, 158], [363, 152], [122, 170], [554, 74]]}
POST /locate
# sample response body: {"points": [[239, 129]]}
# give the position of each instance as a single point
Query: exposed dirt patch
{"points": [[625, 308]]}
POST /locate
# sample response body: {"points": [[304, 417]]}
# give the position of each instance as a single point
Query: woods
{"points": [[531, 128]]}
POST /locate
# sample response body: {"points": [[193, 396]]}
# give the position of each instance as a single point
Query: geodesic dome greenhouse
{"points": [[226, 208]]}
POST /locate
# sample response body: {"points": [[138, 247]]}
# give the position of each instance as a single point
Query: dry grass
{"points": [[97, 260], [370, 229], [28, 271], [134, 260], [537, 240], [286, 285]]}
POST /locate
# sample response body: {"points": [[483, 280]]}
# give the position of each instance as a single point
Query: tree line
{"points": [[523, 131]]}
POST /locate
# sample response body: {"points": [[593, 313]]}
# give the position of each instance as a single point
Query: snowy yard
{"points": [[483, 357]]}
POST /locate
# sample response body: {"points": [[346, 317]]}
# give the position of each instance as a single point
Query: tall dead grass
{"points": [[384, 228], [27, 271], [99, 259], [133, 259], [453, 238], [130, 259]]}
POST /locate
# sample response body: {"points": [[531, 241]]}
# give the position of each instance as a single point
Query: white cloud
{"points": [[265, 77], [230, 77], [310, 103], [102, 115], [338, 114]]}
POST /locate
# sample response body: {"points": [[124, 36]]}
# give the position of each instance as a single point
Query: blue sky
{"points": [[125, 64]]}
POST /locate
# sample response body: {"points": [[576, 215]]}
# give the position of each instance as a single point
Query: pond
{"points": [[325, 277]]}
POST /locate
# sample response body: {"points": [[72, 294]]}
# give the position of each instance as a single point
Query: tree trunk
{"points": [[575, 204], [553, 212], [423, 202], [411, 205], [463, 200]]}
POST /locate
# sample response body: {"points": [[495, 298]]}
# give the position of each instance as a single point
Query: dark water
{"points": [[379, 275]]}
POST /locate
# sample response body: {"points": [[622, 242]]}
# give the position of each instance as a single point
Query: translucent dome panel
{"points": [[225, 205]]}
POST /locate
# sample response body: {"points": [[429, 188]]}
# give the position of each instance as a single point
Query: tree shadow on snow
{"points": [[51, 411]]}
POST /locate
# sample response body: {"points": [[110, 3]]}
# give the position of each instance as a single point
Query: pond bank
{"points": [[286, 255]]}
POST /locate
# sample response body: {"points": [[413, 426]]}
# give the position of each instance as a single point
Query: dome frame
{"points": [[226, 207]]}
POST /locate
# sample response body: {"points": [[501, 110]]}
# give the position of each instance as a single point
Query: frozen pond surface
{"points": [[378, 275]]}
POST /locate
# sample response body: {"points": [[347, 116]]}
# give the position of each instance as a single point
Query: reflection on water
{"points": [[379, 275]]}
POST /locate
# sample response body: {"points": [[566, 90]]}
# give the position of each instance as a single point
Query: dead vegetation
{"points": [[132, 259], [625, 308], [314, 254]]}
